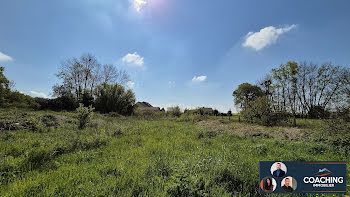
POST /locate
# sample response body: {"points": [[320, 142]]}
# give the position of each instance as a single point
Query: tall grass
{"points": [[139, 157]]}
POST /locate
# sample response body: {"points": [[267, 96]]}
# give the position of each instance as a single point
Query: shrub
{"points": [[261, 111], [340, 144], [114, 98], [318, 112], [176, 112], [342, 113], [84, 115], [64, 102], [335, 127]]}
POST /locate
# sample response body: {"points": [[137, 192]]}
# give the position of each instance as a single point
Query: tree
{"points": [[299, 88], [246, 93], [176, 112], [110, 74], [286, 75], [215, 112], [345, 87], [78, 75], [114, 98], [266, 86], [320, 85], [229, 113], [10, 98], [4, 86]]}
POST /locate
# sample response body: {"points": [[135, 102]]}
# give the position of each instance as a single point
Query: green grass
{"points": [[132, 157]]}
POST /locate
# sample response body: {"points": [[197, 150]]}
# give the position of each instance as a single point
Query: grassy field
{"points": [[45, 154]]}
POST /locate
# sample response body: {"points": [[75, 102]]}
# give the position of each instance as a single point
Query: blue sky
{"points": [[178, 52]]}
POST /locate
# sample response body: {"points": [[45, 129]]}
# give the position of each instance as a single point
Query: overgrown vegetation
{"points": [[125, 151], [129, 156]]}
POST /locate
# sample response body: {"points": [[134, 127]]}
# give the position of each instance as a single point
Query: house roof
{"points": [[147, 106], [144, 104], [207, 109]]}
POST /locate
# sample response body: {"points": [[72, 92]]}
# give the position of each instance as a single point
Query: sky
{"points": [[190, 53]]}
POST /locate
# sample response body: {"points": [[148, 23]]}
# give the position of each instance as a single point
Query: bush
{"points": [[65, 102], [261, 111], [84, 115], [176, 112], [318, 112], [342, 113], [114, 98], [334, 127]]}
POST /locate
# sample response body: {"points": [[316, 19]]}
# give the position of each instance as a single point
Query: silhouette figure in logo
{"points": [[279, 172]]}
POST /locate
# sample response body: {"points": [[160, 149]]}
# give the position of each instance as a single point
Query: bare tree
{"points": [[78, 75], [84, 74], [110, 74], [299, 88]]}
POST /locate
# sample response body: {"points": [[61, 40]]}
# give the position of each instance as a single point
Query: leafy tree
{"points": [[246, 93], [286, 75], [4, 87], [229, 113], [215, 112], [114, 98], [10, 98]]}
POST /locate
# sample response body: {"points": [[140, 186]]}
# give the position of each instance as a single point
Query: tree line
{"points": [[83, 80], [13, 98], [305, 90]]}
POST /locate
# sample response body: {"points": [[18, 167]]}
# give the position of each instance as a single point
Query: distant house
{"points": [[144, 106], [208, 111], [169, 109], [200, 111], [203, 111]]}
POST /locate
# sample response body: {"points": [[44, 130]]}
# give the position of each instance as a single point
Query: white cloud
{"points": [[199, 78], [4, 57], [134, 59], [265, 37], [38, 94], [130, 84], [138, 4]]}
